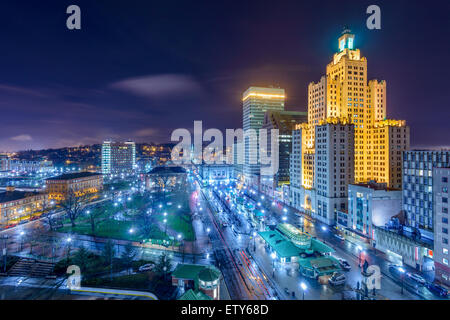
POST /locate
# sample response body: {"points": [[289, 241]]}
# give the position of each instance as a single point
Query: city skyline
{"points": [[79, 89]]}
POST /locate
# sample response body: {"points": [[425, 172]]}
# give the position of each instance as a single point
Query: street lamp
{"points": [[324, 228], [359, 255], [68, 240], [304, 287], [284, 218], [273, 255], [402, 271], [131, 230], [21, 239]]}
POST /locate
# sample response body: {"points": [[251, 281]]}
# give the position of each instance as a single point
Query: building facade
{"points": [[284, 122], [370, 205], [320, 178], [118, 157], [80, 183], [441, 178], [216, 173], [256, 101], [418, 187], [16, 205]]}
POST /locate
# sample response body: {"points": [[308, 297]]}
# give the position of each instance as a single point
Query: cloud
{"points": [[146, 132], [22, 137], [163, 85]]}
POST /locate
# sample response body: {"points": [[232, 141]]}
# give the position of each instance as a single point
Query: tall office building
{"points": [[323, 190], [284, 122], [441, 178], [118, 157], [256, 102], [344, 96], [418, 199]]}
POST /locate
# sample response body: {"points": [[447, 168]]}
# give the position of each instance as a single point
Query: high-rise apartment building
{"points": [[418, 199], [256, 102], [441, 178], [344, 96], [118, 157]]}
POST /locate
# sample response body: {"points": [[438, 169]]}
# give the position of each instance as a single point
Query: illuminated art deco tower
{"points": [[345, 96]]}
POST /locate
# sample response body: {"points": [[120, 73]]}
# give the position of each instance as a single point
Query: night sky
{"points": [[139, 69]]}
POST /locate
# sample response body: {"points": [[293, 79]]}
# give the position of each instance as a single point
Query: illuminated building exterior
{"points": [[118, 157], [418, 187], [344, 96], [441, 178], [321, 188], [285, 122], [197, 282], [81, 183], [15, 205], [256, 101], [370, 204], [216, 173]]}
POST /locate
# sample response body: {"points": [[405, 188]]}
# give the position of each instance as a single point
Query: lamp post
{"points": [[5, 239], [403, 276], [304, 287], [273, 255], [21, 234], [68, 240], [359, 255], [179, 237]]}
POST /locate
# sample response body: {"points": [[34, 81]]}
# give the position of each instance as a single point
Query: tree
{"points": [[73, 205], [163, 265], [108, 252], [81, 258], [93, 215], [128, 256]]}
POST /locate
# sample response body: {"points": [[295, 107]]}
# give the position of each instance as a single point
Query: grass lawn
{"points": [[180, 223]]}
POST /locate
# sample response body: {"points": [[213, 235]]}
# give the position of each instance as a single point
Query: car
{"points": [[437, 289], [337, 235], [337, 279], [415, 277], [146, 267], [344, 264]]}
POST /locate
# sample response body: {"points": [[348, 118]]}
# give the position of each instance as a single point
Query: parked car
{"points": [[146, 267], [437, 289], [415, 277], [344, 265], [337, 279], [337, 235]]}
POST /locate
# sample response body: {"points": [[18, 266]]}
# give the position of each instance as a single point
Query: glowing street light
{"points": [[284, 218], [304, 288], [131, 230]]}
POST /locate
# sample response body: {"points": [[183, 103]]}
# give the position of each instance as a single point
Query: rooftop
{"points": [[194, 271], [194, 295], [76, 175], [15, 195]]}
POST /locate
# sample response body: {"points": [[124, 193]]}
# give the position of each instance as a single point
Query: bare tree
{"points": [[73, 205], [93, 213]]}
